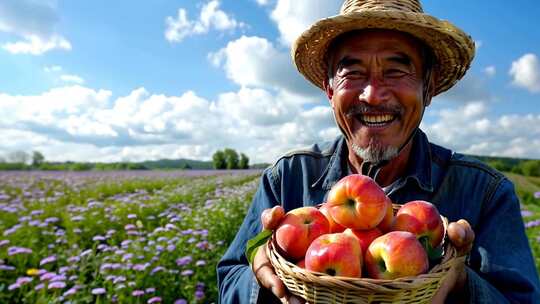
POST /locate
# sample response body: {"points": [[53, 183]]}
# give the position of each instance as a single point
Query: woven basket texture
{"points": [[317, 287]]}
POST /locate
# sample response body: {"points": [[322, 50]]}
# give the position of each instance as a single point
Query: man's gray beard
{"points": [[374, 152]]}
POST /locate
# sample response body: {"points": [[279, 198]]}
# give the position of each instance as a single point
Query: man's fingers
{"points": [[271, 218], [265, 274], [461, 235], [469, 232]]}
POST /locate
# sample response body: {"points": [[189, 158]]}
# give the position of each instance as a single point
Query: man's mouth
{"points": [[376, 120]]}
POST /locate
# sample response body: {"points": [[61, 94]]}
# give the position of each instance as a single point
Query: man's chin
{"points": [[375, 152]]}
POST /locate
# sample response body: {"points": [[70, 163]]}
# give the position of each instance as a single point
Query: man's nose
{"points": [[374, 93]]}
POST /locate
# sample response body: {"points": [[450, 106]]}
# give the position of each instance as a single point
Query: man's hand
{"points": [[262, 268], [461, 235]]}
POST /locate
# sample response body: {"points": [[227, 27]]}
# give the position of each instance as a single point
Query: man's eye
{"points": [[395, 73], [355, 74]]}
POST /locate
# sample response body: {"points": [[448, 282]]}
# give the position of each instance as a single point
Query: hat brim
{"points": [[453, 49]]}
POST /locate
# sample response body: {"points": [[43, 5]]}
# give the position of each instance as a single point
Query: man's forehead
{"points": [[380, 41]]}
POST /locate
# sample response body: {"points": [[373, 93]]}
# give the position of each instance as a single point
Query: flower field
{"points": [[135, 237], [126, 237]]}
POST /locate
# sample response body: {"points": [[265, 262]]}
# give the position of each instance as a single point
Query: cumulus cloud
{"points": [[295, 16], [34, 22], [470, 129], [526, 73], [256, 62], [210, 17], [81, 123], [142, 125], [263, 2]]}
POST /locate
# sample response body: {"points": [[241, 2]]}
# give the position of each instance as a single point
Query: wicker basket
{"points": [[317, 287]]}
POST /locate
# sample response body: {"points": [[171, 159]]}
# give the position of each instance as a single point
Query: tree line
{"points": [[229, 159]]}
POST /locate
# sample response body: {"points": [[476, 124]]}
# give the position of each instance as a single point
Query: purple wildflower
{"points": [[47, 260], [150, 290], [98, 291], [57, 285], [39, 286], [137, 293], [20, 282], [18, 250], [47, 276], [180, 301], [202, 245], [184, 260], [154, 300], [187, 272], [4, 243], [131, 216], [7, 267], [157, 269], [98, 238], [199, 295], [51, 220], [70, 292], [200, 263], [537, 194]]}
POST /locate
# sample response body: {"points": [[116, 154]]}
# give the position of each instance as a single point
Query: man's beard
{"points": [[375, 152]]}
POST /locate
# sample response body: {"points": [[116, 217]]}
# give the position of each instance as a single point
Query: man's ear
{"points": [[329, 90]]}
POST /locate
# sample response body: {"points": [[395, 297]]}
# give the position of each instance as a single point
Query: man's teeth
{"points": [[377, 119]]}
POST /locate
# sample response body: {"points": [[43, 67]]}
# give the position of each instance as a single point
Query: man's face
{"points": [[376, 92]]}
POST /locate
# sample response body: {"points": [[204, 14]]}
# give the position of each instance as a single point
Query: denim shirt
{"points": [[500, 266]]}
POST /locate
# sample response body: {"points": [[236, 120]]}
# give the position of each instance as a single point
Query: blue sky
{"points": [[131, 80]]}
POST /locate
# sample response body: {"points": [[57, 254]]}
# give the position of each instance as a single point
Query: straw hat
{"points": [[453, 49]]}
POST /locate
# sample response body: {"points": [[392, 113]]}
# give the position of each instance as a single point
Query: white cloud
{"points": [[263, 2], [526, 73], [490, 71], [142, 125], [35, 45], [80, 123], [72, 78], [34, 22], [256, 62], [469, 129], [295, 16], [210, 17]]}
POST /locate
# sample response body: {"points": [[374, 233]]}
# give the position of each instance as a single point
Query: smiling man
{"points": [[380, 62]]}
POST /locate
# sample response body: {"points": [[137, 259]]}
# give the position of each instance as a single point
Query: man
{"points": [[380, 63]]}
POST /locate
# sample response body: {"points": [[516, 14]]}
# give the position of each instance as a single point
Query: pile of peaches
{"points": [[355, 233]]}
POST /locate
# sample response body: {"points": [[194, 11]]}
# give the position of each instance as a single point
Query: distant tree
{"points": [[244, 161], [500, 165], [20, 157], [531, 167], [37, 159], [218, 159], [186, 166], [231, 158]]}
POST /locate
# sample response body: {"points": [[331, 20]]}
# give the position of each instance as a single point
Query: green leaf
{"points": [[256, 242], [434, 254]]}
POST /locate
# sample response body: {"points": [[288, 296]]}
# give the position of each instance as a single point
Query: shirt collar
{"points": [[418, 170]]}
